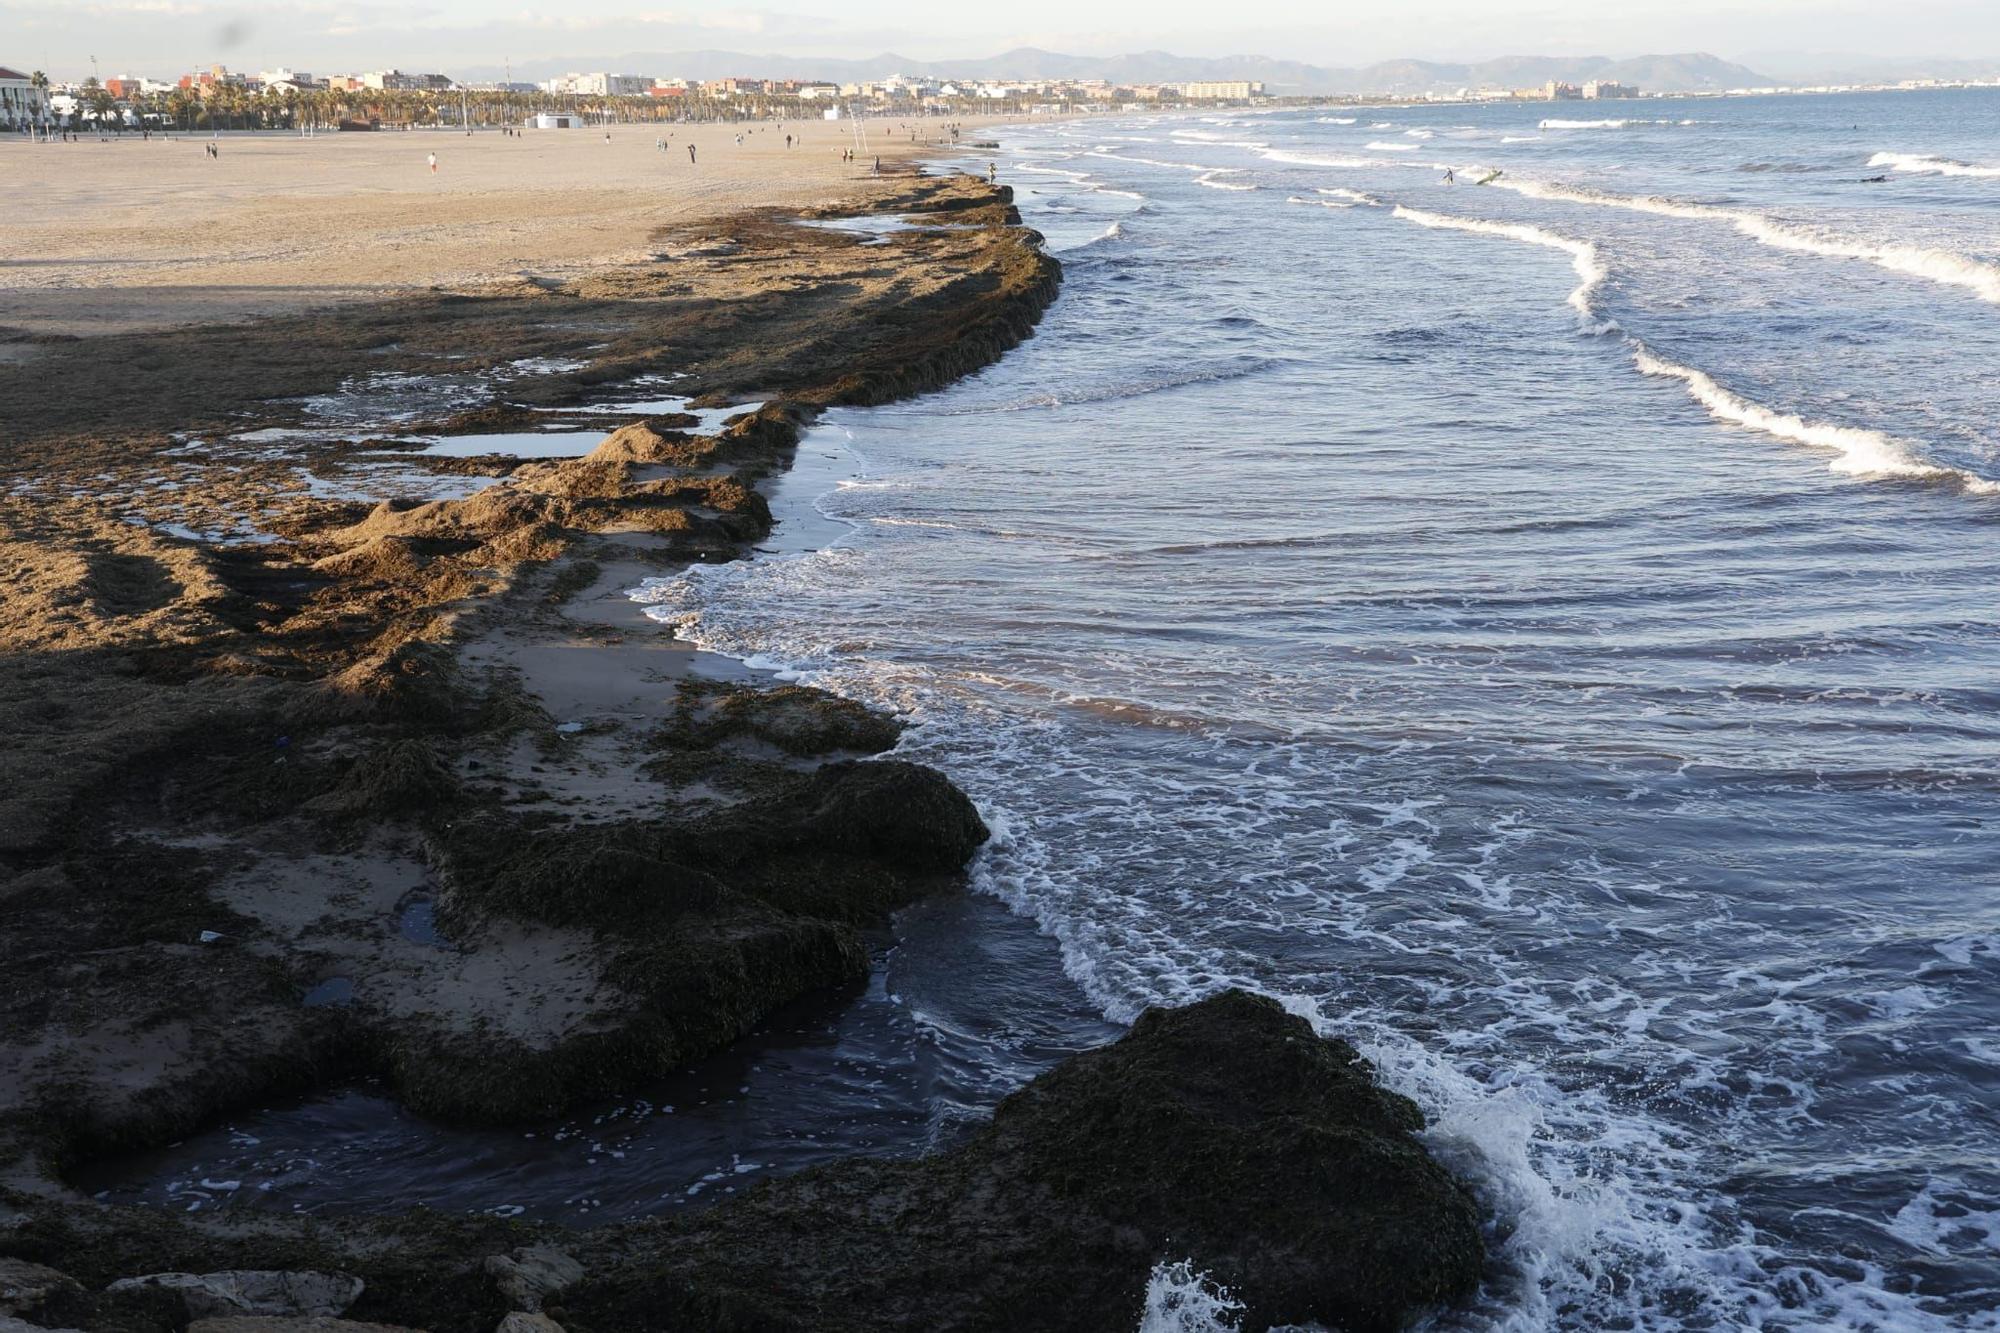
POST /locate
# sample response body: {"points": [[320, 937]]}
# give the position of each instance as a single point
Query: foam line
{"points": [[1940, 266]]}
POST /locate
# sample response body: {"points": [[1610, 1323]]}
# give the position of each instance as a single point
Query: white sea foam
{"points": [[1152, 161], [1208, 178], [1312, 160], [1182, 1299], [1224, 140], [1336, 120], [1379, 147], [1925, 164], [1605, 124], [1318, 203], [1857, 452], [1940, 266], [1589, 265], [1351, 196]]}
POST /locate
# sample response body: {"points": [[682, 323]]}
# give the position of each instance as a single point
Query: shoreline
{"points": [[340, 707], [289, 225]]}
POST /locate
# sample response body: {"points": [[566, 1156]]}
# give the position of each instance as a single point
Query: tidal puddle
{"points": [[966, 1005]]}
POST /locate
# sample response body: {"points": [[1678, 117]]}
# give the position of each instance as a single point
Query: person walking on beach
{"points": [[434, 163], [878, 166], [690, 154]]}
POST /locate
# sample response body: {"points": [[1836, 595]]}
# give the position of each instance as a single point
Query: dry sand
{"points": [[134, 234]]}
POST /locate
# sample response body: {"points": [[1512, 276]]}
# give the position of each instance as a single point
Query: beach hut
{"points": [[555, 120]]}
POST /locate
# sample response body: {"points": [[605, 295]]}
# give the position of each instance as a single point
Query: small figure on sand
{"points": [[992, 172], [690, 154], [878, 166], [213, 151], [434, 163]]}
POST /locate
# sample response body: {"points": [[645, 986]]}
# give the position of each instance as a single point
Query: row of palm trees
{"points": [[236, 107]]}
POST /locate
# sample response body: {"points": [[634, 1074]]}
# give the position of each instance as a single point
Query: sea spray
{"points": [[1181, 1299]]}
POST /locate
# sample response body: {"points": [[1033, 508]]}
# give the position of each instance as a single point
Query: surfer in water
{"points": [[1448, 177]]}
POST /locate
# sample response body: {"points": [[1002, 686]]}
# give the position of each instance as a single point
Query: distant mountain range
{"points": [[1694, 72]]}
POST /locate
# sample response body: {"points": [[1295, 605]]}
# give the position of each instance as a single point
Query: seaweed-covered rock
{"points": [[258, 1323], [252, 1291], [532, 1274], [402, 776], [25, 1286], [1226, 1133], [904, 814]]}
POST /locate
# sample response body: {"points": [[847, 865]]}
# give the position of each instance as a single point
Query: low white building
{"points": [[21, 103], [600, 85], [555, 120]]}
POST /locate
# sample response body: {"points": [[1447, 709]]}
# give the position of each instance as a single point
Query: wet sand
{"points": [[149, 233]]}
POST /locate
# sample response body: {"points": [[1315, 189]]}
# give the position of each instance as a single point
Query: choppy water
{"points": [[1544, 630]]}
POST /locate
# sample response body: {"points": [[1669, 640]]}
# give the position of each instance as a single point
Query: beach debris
{"points": [[252, 1291], [532, 1274], [569, 728], [210, 936]]}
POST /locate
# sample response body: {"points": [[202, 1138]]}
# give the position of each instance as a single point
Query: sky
{"points": [[157, 37]]}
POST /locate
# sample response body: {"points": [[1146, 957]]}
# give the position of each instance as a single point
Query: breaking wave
{"points": [[1923, 164], [1857, 452], [1208, 178], [1590, 269], [1940, 266], [1606, 124]]}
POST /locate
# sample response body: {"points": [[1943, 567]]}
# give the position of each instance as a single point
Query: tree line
{"points": [[237, 107]]}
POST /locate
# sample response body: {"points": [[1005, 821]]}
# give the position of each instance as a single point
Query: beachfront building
{"points": [[23, 102], [1597, 88], [599, 85], [396, 81], [1219, 91], [1557, 91], [282, 77], [555, 120]]}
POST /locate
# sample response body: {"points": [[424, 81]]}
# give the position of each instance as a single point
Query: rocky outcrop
{"points": [[250, 1292], [28, 1286], [292, 1324], [1225, 1133], [533, 1274]]}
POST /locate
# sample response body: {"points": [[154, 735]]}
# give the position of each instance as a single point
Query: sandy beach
{"points": [[151, 233]]}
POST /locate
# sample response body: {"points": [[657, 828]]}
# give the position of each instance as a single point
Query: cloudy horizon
{"points": [[156, 37]]}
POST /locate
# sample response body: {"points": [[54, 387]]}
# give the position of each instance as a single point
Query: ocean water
{"points": [[1543, 631]]}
